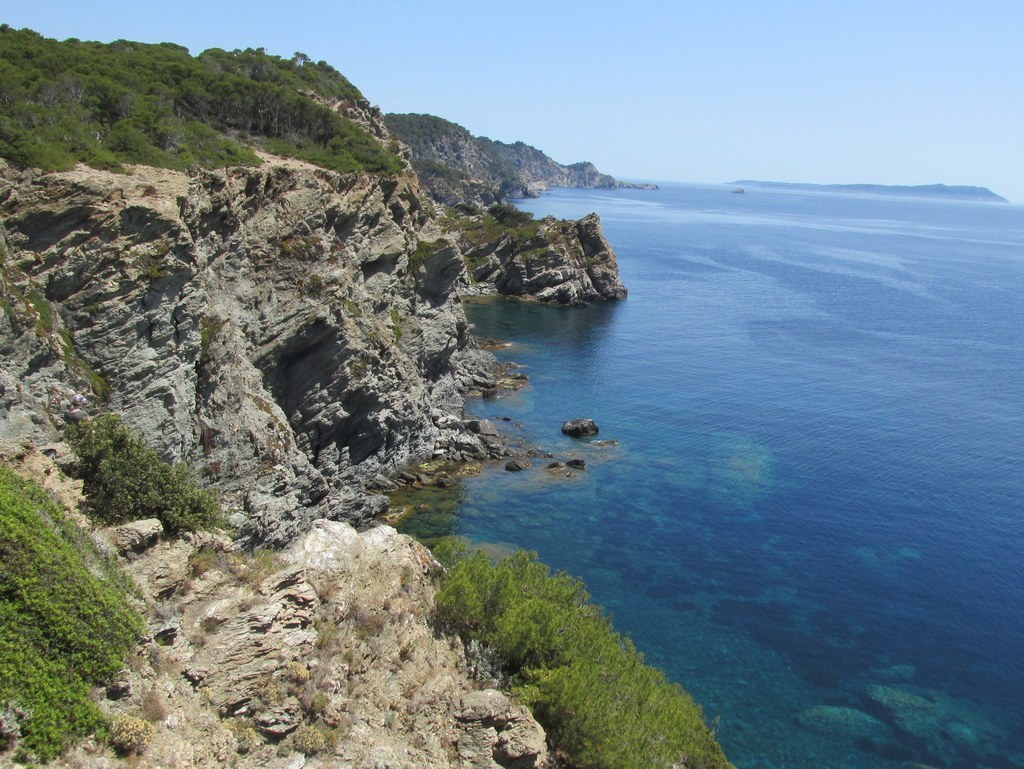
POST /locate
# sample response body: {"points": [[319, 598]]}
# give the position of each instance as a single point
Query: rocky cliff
{"points": [[263, 324], [550, 260], [324, 654], [457, 167], [294, 333]]}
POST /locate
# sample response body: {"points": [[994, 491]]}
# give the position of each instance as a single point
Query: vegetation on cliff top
{"points": [[588, 685], [125, 102], [500, 220], [64, 623]]}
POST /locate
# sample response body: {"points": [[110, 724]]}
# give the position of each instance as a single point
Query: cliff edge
{"points": [[262, 324]]}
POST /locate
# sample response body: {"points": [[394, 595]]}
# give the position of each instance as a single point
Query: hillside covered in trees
{"points": [[125, 102]]}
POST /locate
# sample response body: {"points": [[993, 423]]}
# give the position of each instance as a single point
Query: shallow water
{"points": [[814, 514]]}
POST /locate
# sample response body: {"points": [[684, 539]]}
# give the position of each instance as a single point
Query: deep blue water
{"points": [[817, 495]]}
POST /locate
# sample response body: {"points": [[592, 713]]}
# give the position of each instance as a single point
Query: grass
{"points": [[424, 250], [44, 311], [97, 383]]}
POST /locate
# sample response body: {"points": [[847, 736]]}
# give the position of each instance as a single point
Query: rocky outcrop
{"points": [[263, 324], [280, 328], [323, 655], [498, 731], [537, 172], [552, 260]]}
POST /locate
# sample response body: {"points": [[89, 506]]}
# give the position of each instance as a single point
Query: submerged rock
{"points": [[943, 724], [835, 720], [580, 428]]}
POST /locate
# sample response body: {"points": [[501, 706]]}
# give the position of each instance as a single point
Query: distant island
{"points": [[940, 191]]}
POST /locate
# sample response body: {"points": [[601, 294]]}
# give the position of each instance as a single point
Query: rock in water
{"points": [[580, 428], [515, 465]]}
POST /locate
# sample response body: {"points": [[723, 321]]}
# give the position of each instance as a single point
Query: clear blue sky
{"points": [[827, 92]]}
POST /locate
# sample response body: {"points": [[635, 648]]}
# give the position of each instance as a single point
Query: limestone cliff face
{"points": [[260, 323], [558, 261]]}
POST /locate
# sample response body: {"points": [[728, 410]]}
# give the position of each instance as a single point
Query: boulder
{"points": [[576, 464], [163, 570], [515, 465], [136, 536], [482, 427], [498, 732], [580, 428]]}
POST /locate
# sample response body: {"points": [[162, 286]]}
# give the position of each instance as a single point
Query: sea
{"points": [[806, 500]]}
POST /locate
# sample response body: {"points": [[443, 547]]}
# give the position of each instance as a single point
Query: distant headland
{"points": [[941, 191]]}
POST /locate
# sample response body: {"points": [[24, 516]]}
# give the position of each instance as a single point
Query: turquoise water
{"points": [[814, 514]]}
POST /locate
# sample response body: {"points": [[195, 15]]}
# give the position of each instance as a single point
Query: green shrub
{"points": [[125, 480], [310, 740], [62, 627], [508, 215], [424, 250], [586, 684]]}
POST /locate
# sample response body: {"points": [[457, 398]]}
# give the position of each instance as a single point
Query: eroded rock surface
{"points": [[260, 323], [323, 655], [564, 262]]}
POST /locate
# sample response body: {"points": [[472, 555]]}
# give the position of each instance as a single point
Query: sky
{"points": [[823, 92]]}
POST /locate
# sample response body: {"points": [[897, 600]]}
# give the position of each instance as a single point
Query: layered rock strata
{"points": [[261, 323], [323, 655], [562, 262]]}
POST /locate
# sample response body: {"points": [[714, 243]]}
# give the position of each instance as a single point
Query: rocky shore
{"points": [[271, 326]]}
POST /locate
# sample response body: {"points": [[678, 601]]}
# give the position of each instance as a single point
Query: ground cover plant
{"points": [[65, 624]]}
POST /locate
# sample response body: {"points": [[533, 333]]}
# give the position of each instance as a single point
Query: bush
{"points": [[586, 684], [130, 735], [125, 480], [310, 740], [424, 250], [508, 215], [62, 627]]}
